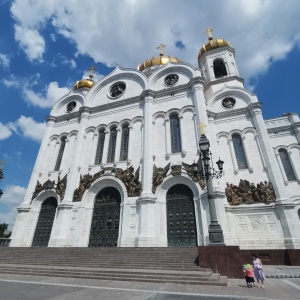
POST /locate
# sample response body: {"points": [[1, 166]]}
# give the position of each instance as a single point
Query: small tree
{"points": [[3, 227]]}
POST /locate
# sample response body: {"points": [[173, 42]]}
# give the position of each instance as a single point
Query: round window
{"points": [[117, 89], [228, 102], [171, 79], [71, 106]]}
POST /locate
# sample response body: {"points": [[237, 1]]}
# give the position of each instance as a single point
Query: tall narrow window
{"points": [[239, 151], [100, 147], [124, 143], [60, 153], [219, 68], [289, 172], [112, 145], [175, 134]]}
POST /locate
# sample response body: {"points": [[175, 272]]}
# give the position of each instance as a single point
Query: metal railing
{"points": [[4, 242]]}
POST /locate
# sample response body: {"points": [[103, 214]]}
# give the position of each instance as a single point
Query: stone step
{"points": [[207, 278]]}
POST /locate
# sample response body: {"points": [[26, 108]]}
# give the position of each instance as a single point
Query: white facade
{"points": [[146, 107]]}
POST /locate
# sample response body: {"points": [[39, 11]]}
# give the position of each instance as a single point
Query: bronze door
{"points": [[44, 225], [106, 219], [181, 220]]}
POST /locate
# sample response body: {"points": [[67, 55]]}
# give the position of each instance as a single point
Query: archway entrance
{"points": [[181, 220], [45, 222], [106, 219]]}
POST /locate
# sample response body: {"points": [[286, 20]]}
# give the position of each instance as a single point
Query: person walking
{"points": [[258, 271]]}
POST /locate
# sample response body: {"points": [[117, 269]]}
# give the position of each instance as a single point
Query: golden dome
{"points": [[159, 60], [88, 83], [213, 44]]}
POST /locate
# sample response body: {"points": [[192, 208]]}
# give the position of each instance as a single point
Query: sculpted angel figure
{"points": [[158, 176]]}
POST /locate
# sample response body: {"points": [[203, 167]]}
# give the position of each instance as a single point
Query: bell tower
{"points": [[216, 59]]}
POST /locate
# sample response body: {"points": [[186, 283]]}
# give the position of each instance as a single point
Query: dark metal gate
{"points": [[181, 220], [45, 222], [106, 219]]}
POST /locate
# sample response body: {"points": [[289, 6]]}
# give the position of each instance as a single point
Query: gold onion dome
{"points": [[212, 43], [85, 83], [158, 60]]}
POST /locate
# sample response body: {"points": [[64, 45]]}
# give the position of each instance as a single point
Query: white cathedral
{"points": [[117, 166]]}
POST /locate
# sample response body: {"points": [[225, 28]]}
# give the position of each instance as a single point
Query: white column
{"points": [[105, 147], [39, 160], [168, 137], [260, 152], [94, 149], [77, 157], [118, 145], [146, 202], [147, 169], [233, 158], [273, 168], [250, 168], [182, 136], [294, 166]]}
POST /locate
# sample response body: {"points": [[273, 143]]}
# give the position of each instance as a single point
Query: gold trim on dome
{"points": [[213, 44], [159, 60], [88, 83]]}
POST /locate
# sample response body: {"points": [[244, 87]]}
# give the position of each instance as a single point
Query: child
{"points": [[249, 276]]}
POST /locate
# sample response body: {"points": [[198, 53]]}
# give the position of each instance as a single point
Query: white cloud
{"points": [[31, 42], [129, 32], [12, 82], [4, 60], [5, 131], [29, 128], [11, 199], [46, 99]]}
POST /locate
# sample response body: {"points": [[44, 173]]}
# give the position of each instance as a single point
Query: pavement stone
{"points": [[46, 288]]}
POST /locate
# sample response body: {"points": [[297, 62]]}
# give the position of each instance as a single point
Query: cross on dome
{"points": [[92, 69], [208, 31], [160, 47]]}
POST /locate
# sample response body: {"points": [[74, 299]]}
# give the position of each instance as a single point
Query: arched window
{"points": [[112, 145], [100, 147], [288, 169], [219, 68], [175, 134], [239, 151], [124, 143], [60, 153]]}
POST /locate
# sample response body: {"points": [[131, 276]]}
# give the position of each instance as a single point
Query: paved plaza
{"points": [[25, 287]]}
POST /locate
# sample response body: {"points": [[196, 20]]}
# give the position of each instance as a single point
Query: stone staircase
{"points": [[175, 265]]}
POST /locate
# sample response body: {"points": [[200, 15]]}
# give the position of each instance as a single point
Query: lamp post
{"points": [[215, 231]]}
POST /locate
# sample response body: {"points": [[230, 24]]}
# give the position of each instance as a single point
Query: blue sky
{"points": [[47, 45]]}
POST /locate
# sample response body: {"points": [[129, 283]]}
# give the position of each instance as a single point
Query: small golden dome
{"points": [[159, 60], [213, 44], [88, 83]]}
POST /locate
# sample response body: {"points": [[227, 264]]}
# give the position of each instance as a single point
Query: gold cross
{"points": [[92, 69], [160, 47], [208, 31], [201, 126]]}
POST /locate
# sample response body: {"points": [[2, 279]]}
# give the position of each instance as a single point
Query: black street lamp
{"points": [[1, 175], [215, 231]]}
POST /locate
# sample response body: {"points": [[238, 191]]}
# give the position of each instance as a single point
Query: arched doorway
{"points": [[106, 219], [181, 220], [45, 222]]}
